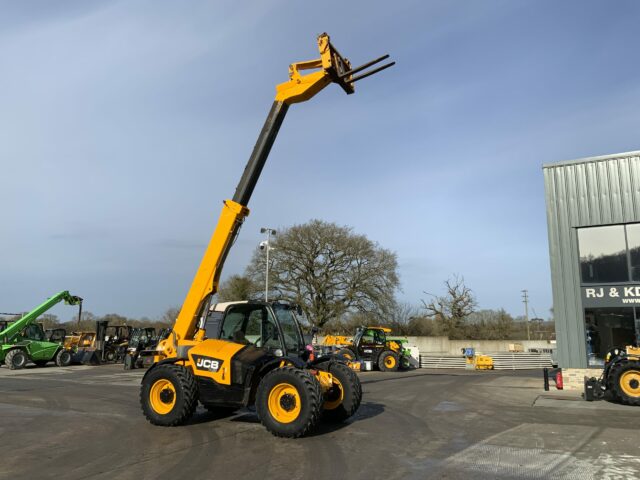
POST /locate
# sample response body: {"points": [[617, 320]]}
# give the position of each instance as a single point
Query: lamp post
{"points": [[267, 246], [525, 300]]}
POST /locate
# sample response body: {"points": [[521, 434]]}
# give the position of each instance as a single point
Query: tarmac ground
{"points": [[84, 422]]}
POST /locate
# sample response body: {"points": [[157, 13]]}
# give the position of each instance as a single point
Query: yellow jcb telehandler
{"points": [[620, 377], [257, 355]]}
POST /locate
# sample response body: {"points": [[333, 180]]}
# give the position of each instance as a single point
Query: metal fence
{"points": [[501, 361]]}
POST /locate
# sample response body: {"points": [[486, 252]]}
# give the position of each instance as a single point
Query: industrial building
{"points": [[593, 217]]}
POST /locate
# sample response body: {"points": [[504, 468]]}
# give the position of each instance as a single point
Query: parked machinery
{"points": [[107, 344], [476, 361], [55, 335], [115, 342], [142, 339], [620, 377], [287, 388], [371, 347], [24, 340]]}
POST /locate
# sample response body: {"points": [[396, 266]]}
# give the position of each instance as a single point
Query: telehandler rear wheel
{"points": [[16, 359], [625, 382], [63, 358], [405, 363], [388, 361], [343, 399], [169, 395], [289, 402]]}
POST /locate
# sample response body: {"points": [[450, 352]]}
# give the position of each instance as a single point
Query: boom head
{"points": [[331, 67]]}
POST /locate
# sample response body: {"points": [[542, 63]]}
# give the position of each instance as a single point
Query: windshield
{"points": [[293, 340]]}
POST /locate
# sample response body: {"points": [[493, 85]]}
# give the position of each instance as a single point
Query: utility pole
{"points": [[267, 247], [525, 300]]}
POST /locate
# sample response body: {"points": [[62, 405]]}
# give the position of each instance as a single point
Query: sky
{"points": [[124, 124]]}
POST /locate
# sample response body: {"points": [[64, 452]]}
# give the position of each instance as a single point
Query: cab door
{"points": [[251, 324]]}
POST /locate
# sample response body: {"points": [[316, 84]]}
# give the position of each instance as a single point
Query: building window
{"points": [[608, 328], [633, 241], [603, 254]]}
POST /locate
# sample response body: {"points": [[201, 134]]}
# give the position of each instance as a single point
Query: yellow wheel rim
{"points": [[630, 383], [348, 356], [389, 362], [162, 396], [284, 403], [334, 396]]}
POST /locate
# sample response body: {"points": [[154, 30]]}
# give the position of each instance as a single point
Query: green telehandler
{"points": [[24, 340]]}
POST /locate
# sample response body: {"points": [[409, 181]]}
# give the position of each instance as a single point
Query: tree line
{"points": [[342, 280]]}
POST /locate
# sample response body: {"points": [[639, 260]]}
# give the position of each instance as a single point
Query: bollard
{"points": [[546, 379]]}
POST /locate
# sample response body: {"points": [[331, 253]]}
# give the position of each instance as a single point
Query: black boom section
{"points": [[260, 153]]}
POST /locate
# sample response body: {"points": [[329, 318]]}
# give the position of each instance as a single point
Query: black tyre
{"points": [[289, 402], [346, 353], [405, 364], [344, 398], [168, 395], [63, 358], [388, 361], [624, 382], [109, 356], [41, 363], [16, 359]]}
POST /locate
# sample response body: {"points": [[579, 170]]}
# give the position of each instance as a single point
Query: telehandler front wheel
{"points": [[168, 395], [388, 361], [16, 359], [625, 382], [344, 397], [289, 402]]}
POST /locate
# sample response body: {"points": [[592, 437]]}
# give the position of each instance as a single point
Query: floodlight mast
{"points": [[331, 67]]}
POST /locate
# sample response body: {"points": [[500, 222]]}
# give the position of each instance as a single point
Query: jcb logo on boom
{"points": [[207, 363]]}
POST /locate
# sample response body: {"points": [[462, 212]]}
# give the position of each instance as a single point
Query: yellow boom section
{"points": [[207, 277], [331, 67]]}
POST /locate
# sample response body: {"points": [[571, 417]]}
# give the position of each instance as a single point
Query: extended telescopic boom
{"points": [[331, 67], [12, 330]]}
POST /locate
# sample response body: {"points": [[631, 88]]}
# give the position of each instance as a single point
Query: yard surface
{"points": [[85, 422]]}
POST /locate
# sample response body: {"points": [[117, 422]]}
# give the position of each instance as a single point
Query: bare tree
{"points": [[452, 309], [401, 318], [170, 315], [238, 287], [329, 271], [490, 325]]}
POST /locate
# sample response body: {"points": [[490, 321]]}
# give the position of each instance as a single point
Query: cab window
{"points": [[371, 336], [34, 332], [250, 325]]}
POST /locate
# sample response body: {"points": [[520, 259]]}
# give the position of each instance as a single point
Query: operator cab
{"points": [[33, 332], [273, 326]]}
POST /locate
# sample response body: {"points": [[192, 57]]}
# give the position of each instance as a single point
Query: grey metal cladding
{"points": [[579, 193]]}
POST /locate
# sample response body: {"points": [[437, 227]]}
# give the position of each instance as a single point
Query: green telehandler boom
{"points": [[24, 340]]}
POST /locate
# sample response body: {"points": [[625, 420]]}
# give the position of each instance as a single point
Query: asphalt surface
{"points": [[85, 422]]}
